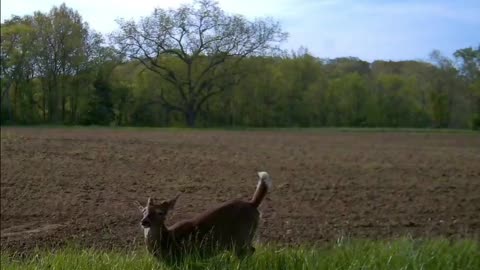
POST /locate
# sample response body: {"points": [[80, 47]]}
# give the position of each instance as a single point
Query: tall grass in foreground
{"points": [[399, 254]]}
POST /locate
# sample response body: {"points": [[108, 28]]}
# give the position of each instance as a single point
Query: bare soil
{"points": [[79, 185]]}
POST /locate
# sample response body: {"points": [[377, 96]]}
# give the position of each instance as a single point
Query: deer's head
{"points": [[154, 214]]}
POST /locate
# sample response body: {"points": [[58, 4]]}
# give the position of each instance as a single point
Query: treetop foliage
{"points": [[199, 66]]}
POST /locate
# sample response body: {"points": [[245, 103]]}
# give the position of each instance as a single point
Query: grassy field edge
{"points": [[360, 254], [286, 129]]}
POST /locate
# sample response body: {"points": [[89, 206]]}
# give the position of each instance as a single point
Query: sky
{"points": [[368, 29]]}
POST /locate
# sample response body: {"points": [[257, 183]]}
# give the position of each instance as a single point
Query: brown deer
{"points": [[230, 226]]}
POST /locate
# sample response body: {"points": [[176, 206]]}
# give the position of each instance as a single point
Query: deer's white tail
{"points": [[264, 184]]}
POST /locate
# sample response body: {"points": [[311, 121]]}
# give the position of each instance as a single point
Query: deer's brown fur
{"points": [[229, 226]]}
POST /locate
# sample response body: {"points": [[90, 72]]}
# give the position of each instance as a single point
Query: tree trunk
{"points": [[190, 117], [64, 101], [166, 119], [8, 101], [44, 104], [15, 102], [60, 87], [73, 111], [50, 100]]}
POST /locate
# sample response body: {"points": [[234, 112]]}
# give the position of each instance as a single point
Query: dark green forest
{"points": [[199, 66]]}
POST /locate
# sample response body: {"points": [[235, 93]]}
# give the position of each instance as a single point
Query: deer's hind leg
{"points": [[244, 252], [246, 249]]}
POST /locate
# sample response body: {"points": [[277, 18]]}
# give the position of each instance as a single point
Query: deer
{"points": [[229, 226]]}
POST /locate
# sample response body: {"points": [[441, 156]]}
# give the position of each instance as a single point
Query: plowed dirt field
{"points": [[62, 185]]}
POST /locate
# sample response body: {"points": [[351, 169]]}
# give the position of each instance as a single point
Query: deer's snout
{"points": [[145, 222]]}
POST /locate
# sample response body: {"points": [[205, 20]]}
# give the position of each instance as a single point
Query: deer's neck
{"points": [[157, 239]]}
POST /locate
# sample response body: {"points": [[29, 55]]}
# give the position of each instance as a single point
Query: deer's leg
{"points": [[244, 252]]}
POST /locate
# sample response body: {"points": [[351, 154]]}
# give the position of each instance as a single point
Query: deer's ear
{"points": [[172, 202], [139, 206], [150, 201]]}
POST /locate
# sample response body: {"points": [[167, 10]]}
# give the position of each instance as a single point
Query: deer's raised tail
{"points": [[263, 186]]}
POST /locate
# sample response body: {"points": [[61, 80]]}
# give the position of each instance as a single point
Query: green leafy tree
{"points": [[60, 44], [100, 107], [195, 48], [16, 62], [350, 96], [469, 68]]}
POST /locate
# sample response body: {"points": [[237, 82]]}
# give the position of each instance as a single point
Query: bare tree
{"points": [[195, 48]]}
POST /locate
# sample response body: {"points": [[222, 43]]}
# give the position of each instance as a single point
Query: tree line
{"points": [[199, 66]]}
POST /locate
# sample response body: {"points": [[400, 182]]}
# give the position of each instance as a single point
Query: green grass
{"points": [[398, 254]]}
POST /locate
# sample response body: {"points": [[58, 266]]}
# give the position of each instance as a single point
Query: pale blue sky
{"points": [[368, 29]]}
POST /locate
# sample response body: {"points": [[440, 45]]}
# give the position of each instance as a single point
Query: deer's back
{"points": [[233, 222]]}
